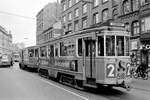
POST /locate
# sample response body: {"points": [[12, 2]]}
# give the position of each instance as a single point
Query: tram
{"points": [[5, 60], [92, 57], [29, 58]]}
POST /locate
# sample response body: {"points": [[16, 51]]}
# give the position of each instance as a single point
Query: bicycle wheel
{"points": [[145, 76]]}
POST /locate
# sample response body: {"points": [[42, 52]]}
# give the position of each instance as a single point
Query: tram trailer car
{"points": [[5, 60], [92, 57], [29, 58]]}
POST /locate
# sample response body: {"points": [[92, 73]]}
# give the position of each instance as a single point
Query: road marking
{"points": [[61, 88]]}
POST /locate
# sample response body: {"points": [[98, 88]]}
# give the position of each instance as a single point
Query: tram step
{"points": [[89, 85]]}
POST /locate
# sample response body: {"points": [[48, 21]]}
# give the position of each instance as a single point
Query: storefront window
{"points": [[101, 46], [120, 45], [110, 45]]}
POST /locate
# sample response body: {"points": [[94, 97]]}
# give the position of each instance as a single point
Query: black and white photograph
{"points": [[74, 49]]}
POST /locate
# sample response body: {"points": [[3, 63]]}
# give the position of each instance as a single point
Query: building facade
{"points": [[144, 17], [80, 14], [46, 17], [129, 15], [5, 41]]}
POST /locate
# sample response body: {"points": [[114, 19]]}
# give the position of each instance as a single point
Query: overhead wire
{"points": [[13, 14]]}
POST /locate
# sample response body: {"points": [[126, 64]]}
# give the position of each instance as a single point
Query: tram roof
{"points": [[106, 26]]}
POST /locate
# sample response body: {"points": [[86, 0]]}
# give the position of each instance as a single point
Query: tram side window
{"points": [[120, 45], [101, 46], [63, 49], [56, 50], [31, 52], [110, 46], [127, 45], [80, 47], [36, 52], [43, 51]]}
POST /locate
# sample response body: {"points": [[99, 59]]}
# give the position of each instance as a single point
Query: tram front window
{"points": [[127, 46], [101, 46], [120, 45], [110, 45]]}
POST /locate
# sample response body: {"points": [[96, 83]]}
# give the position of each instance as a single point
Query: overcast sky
{"points": [[23, 28]]}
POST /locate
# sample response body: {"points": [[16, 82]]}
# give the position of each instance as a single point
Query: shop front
{"points": [[145, 54], [135, 51]]}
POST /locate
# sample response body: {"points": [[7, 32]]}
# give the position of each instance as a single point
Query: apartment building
{"points": [[129, 15], [144, 18], [80, 14], [5, 41], [46, 17]]}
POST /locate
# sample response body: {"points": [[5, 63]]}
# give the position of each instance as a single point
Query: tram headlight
{"points": [[73, 65]]}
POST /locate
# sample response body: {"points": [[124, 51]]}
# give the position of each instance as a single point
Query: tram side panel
{"points": [[100, 70]]}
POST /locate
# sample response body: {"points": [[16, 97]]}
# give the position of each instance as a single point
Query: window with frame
{"points": [[56, 50], [110, 45], [69, 3], [43, 51], [135, 5], [70, 27], [120, 45], [84, 22], [145, 27], [100, 45], [95, 18], [105, 15], [104, 1], [64, 7], [36, 52], [127, 40], [31, 52], [69, 16], [64, 19], [76, 12], [115, 14], [84, 8], [96, 3], [135, 28], [80, 47], [127, 27], [126, 7], [67, 48], [76, 25]]}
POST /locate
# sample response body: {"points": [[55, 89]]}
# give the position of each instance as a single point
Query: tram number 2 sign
{"points": [[110, 71]]}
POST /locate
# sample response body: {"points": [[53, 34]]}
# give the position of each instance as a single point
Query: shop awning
{"points": [[145, 37]]}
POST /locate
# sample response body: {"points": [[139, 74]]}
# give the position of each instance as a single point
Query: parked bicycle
{"points": [[140, 72]]}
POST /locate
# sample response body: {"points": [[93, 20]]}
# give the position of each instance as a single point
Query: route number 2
{"points": [[110, 71], [128, 70]]}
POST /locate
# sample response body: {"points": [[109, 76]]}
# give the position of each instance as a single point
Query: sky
{"points": [[19, 16]]}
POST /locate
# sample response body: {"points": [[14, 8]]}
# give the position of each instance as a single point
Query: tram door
{"points": [[144, 59], [90, 59], [51, 59]]}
